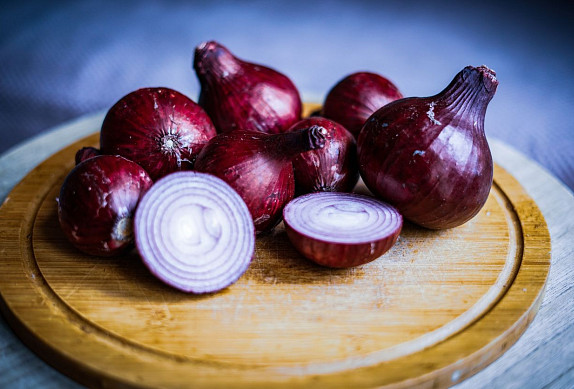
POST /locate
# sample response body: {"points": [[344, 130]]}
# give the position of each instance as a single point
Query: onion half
{"points": [[194, 232], [341, 229]]}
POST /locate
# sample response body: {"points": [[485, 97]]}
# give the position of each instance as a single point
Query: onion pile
{"points": [[341, 229], [424, 159], [194, 232]]}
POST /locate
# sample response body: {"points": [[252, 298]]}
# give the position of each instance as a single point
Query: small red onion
{"points": [[429, 157], [341, 229], [159, 128], [242, 95], [86, 153], [97, 202], [332, 168], [258, 166], [194, 232], [353, 99]]}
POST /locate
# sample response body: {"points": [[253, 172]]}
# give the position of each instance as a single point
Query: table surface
{"points": [[542, 357]]}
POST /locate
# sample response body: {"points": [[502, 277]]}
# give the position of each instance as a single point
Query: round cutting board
{"points": [[435, 309]]}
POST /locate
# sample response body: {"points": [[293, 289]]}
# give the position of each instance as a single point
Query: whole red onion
{"points": [[97, 201], [341, 229], [353, 99], [429, 156], [242, 95], [159, 128], [332, 168], [258, 166], [194, 232]]}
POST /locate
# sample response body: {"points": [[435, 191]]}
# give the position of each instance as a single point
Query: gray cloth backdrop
{"points": [[61, 60]]}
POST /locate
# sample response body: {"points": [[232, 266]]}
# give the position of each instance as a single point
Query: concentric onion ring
{"points": [[194, 232], [341, 229]]}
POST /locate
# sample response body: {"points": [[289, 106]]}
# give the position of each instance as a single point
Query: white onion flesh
{"points": [[194, 232]]}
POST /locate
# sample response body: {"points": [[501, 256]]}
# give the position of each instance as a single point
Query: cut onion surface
{"points": [[194, 232], [341, 229]]}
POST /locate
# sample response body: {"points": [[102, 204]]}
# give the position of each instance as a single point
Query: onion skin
{"points": [[429, 156], [159, 128], [332, 168], [356, 97], [86, 153], [258, 166], [334, 254], [242, 95], [97, 201]]}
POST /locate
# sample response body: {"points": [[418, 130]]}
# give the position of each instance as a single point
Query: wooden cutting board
{"points": [[435, 309]]}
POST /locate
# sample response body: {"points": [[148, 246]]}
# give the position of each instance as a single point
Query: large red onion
{"points": [[332, 168], [356, 97], [258, 166], [194, 232], [159, 128], [97, 202], [242, 95], [341, 229], [429, 156]]}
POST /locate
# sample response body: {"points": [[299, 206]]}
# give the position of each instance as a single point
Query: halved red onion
{"points": [[341, 229], [194, 232]]}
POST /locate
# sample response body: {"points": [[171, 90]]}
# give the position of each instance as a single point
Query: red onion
{"points": [[332, 168], [258, 166], [241, 95], [429, 156], [353, 99], [194, 232], [341, 229], [159, 128], [97, 201], [86, 153]]}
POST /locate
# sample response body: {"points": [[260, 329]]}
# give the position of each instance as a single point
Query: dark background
{"points": [[61, 60]]}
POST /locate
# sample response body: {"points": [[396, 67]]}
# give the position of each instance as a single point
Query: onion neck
{"points": [[466, 98], [213, 60], [290, 144]]}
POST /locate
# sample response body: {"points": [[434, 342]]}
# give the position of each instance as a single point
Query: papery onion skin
{"points": [[97, 201], [194, 233], [429, 157], [337, 254], [258, 166], [332, 168], [242, 95], [159, 128], [86, 153], [356, 97]]}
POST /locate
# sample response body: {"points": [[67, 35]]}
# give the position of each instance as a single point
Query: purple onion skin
{"points": [[429, 157], [241, 95], [356, 97], [97, 202], [339, 255], [86, 153], [332, 168], [259, 167], [159, 128]]}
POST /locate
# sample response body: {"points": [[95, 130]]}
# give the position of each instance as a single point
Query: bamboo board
{"points": [[437, 308]]}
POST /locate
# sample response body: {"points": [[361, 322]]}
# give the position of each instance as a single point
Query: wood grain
{"points": [[434, 310]]}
